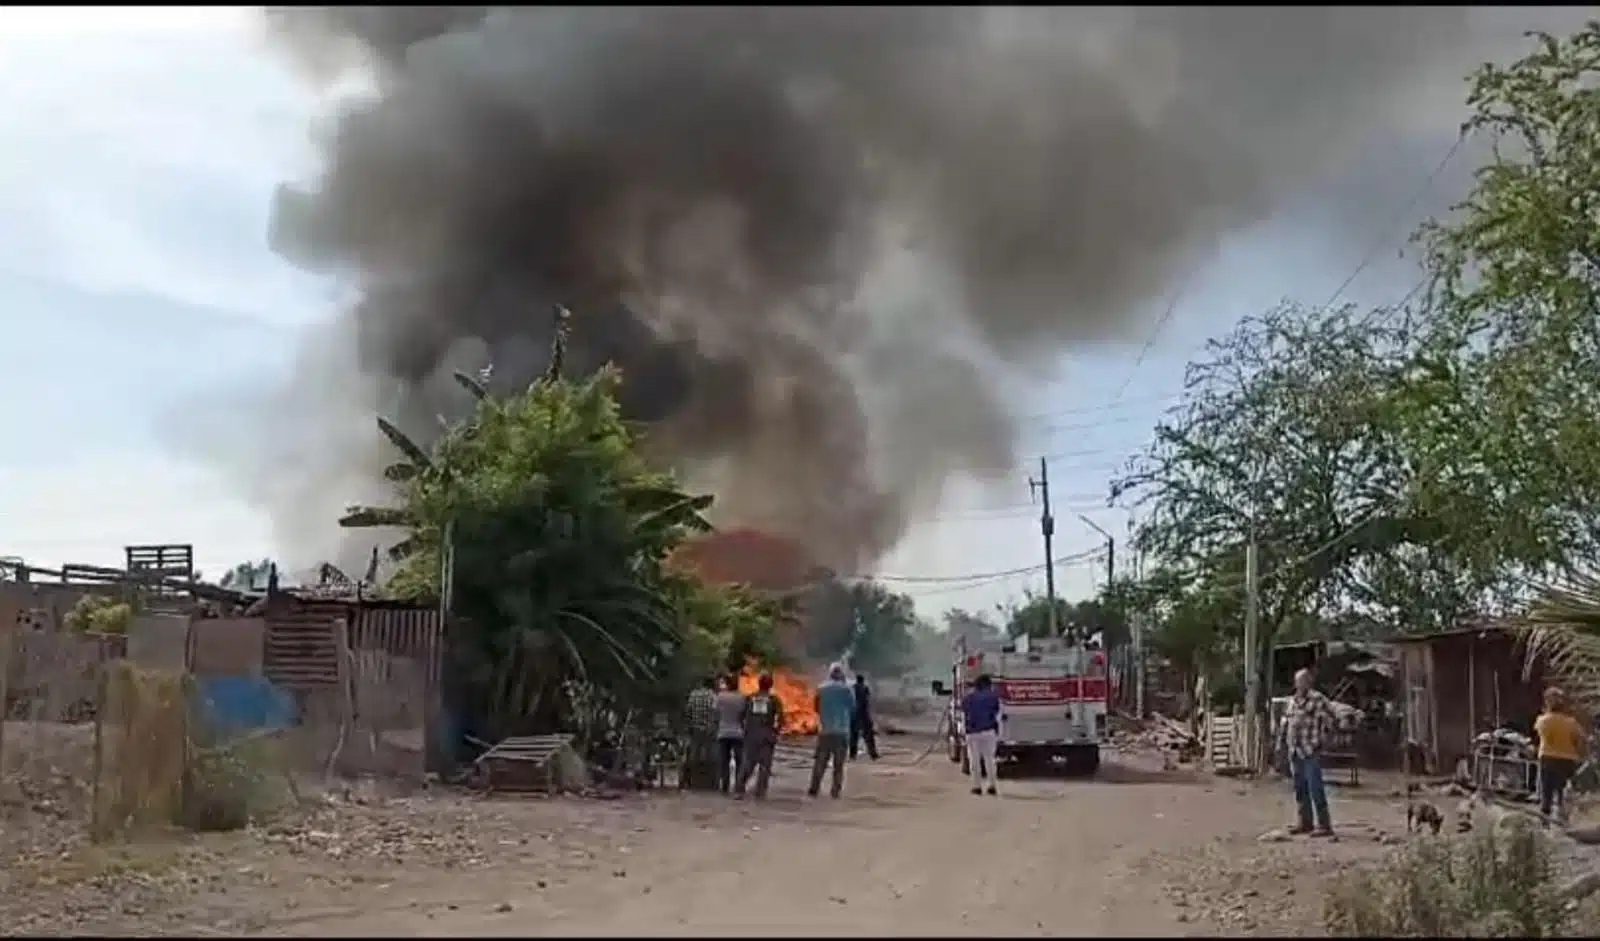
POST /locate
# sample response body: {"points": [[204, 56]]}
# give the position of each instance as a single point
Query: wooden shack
{"points": [[1456, 684]]}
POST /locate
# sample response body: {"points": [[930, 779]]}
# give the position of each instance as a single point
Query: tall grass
{"points": [[1499, 882]]}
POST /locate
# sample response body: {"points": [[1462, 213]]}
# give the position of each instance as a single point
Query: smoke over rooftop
{"points": [[807, 236]]}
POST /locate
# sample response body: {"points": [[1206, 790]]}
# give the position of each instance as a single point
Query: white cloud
{"points": [[88, 510], [18, 24], [143, 148]]}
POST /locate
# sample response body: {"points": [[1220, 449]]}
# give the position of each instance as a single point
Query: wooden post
{"points": [[1472, 695], [97, 767], [8, 636]]}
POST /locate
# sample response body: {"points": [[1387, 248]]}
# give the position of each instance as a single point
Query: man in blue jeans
{"points": [[1306, 725], [835, 703]]}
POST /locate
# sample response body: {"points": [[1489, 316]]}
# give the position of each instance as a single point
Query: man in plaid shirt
{"points": [[1308, 721], [700, 732]]}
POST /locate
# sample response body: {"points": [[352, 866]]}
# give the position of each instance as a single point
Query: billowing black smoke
{"points": [[806, 235]]}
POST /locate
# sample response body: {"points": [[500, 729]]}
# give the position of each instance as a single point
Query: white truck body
{"points": [[1053, 699]]}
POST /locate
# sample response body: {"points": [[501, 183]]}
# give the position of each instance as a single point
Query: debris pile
{"points": [[1156, 733]]}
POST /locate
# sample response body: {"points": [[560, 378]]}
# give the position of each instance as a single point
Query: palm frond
{"points": [[478, 389], [366, 517], [1561, 631], [401, 472], [409, 448]]}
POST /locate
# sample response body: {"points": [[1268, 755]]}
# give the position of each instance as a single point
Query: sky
{"points": [[142, 150]]}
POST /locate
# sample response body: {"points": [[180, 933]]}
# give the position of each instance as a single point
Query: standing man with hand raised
{"points": [[1306, 726]]}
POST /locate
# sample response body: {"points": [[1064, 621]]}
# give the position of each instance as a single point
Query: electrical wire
{"points": [[1397, 219], [978, 576]]}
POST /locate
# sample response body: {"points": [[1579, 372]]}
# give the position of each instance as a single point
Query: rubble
{"points": [[1156, 733]]}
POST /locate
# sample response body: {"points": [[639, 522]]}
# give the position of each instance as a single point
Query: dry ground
{"points": [[907, 851]]}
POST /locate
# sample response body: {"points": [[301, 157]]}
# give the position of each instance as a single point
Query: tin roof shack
{"points": [[1459, 683], [332, 651]]}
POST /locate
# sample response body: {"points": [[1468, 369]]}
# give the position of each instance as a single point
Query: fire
{"points": [[799, 710]]}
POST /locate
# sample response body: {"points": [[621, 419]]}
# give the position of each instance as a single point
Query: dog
{"points": [[1420, 813]]}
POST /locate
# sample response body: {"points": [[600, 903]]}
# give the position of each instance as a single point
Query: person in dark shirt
{"points": [[763, 720], [861, 728], [980, 710]]}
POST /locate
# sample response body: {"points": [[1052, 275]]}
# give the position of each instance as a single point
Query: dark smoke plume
{"points": [[807, 236]]}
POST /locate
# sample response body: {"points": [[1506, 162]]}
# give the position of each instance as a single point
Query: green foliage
{"points": [[975, 628], [99, 614], [557, 532], [1498, 883], [1506, 421], [248, 576], [1106, 615], [1406, 468], [728, 627], [864, 621]]}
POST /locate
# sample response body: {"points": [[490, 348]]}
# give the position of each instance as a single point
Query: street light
{"points": [[1111, 548]]}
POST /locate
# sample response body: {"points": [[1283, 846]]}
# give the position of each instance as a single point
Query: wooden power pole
{"points": [[1047, 526]]}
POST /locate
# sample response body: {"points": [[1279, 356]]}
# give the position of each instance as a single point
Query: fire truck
{"points": [[1053, 699]]}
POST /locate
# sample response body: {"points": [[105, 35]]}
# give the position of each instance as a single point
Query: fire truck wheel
{"points": [[1083, 760]]}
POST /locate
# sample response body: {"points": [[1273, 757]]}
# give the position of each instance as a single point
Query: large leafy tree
{"points": [[1289, 436], [1507, 416], [556, 532]]}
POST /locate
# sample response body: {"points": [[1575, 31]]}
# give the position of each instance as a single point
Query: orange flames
{"points": [[799, 710]]}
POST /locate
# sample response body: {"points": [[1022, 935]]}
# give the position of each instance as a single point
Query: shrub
{"points": [[1497, 883]]}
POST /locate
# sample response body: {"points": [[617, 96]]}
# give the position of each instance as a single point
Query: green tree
{"points": [[960, 624], [99, 614], [248, 576], [864, 622], [1506, 413], [558, 531], [1288, 435]]}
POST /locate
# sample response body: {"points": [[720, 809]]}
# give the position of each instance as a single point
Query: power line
{"points": [[1387, 229], [988, 582], [1155, 333], [978, 576]]}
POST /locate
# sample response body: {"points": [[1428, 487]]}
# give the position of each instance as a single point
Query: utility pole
{"points": [[1047, 526]]}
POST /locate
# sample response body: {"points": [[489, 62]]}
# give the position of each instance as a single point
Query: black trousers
{"points": [[1554, 773], [729, 752], [861, 730]]}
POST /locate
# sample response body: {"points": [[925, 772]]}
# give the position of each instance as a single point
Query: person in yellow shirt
{"points": [[1561, 745]]}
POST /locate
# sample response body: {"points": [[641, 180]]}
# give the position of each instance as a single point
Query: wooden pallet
{"points": [[1220, 737], [518, 760]]}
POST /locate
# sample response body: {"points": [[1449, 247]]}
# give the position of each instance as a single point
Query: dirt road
{"points": [[1137, 850], [907, 851]]}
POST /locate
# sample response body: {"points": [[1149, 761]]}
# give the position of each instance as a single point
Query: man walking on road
{"points": [[861, 722], [980, 709], [763, 717], [836, 706], [1307, 723], [730, 732]]}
